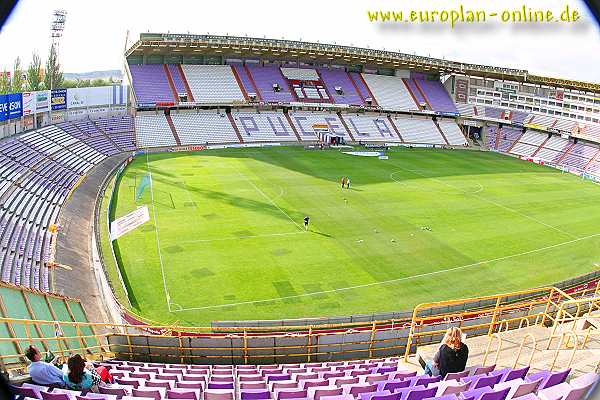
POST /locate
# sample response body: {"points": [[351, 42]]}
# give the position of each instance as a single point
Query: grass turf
{"points": [[225, 241]]}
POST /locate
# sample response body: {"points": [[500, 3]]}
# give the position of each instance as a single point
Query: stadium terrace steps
{"points": [[437, 126], [289, 119], [264, 126], [173, 130], [240, 83], [234, 126], [395, 128], [362, 88], [150, 84], [303, 121], [338, 78], [390, 92], [176, 78], [264, 77], [190, 95], [436, 95], [204, 126], [452, 132], [414, 92], [252, 83], [171, 83], [418, 130], [339, 114], [213, 84], [528, 143]]}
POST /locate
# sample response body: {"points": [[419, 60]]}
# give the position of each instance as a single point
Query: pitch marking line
{"points": [[488, 201], [269, 199], [406, 278], [162, 268]]}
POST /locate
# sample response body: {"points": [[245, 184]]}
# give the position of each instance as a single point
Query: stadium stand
{"points": [[418, 130], [370, 127], [152, 130], [340, 86], [452, 132], [270, 83], [40, 169], [213, 84], [269, 126], [177, 78], [506, 138], [204, 126], [579, 156], [150, 84], [246, 83], [436, 95], [390, 92]]}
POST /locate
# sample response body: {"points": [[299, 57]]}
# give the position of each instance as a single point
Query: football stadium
{"points": [[247, 218]]}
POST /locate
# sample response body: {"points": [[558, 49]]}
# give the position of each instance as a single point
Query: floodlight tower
{"points": [[57, 26]]}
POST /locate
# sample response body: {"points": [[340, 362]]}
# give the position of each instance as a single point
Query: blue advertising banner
{"points": [[3, 107], [15, 105], [58, 99]]}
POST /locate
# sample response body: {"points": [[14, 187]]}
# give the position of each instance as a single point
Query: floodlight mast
{"points": [[57, 26]]}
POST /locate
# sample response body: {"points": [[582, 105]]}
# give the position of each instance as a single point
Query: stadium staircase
{"points": [[356, 87], [412, 94], [339, 114], [437, 125], [239, 81], [251, 78], [592, 160], [395, 128], [514, 143], [171, 83], [235, 127], [289, 120], [540, 146], [422, 92], [173, 130], [565, 154], [190, 95]]}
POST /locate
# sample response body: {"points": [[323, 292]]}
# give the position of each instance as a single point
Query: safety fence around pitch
{"points": [[202, 345]]}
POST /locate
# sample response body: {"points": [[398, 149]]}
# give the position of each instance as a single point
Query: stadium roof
{"points": [[235, 46]]}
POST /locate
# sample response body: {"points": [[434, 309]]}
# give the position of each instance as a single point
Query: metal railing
{"points": [[480, 316]]}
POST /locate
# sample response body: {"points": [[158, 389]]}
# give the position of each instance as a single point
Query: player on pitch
{"points": [[306, 220], [343, 181]]}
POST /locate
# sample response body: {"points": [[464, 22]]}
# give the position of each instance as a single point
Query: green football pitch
{"points": [[226, 240]]}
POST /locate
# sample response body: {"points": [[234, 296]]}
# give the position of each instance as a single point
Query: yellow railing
{"points": [[533, 350], [485, 315]]}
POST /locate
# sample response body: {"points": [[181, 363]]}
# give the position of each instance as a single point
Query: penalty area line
{"points": [[406, 278]]}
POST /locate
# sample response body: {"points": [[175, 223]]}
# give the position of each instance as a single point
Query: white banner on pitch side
{"points": [[129, 222]]}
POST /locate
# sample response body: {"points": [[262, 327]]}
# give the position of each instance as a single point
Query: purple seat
{"points": [[509, 374], [356, 391], [444, 397], [189, 385], [148, 393], [255, 395], [519, 387], [456, 375], [424, 380], [56, 396], [23, 392], [420, 394], [117, 391], [218, 385], [292, 394], [564, 391], [395, 384], [182, 394], [282, 377], [158, 384], [386, 370], [549, 378], [380, 395]]}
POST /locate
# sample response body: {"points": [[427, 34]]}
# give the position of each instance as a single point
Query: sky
{"points": [[96, 31]]}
